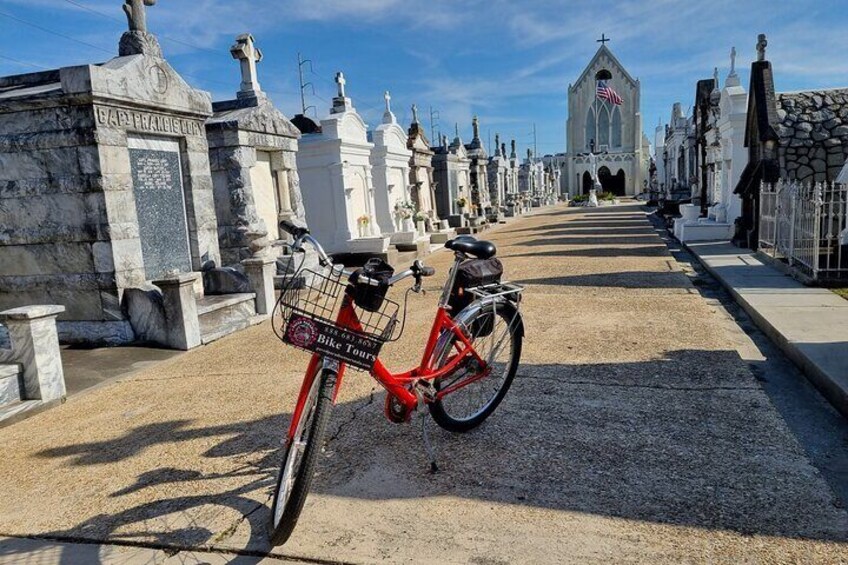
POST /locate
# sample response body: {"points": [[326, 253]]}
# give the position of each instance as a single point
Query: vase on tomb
{"points": [[257, 242]]}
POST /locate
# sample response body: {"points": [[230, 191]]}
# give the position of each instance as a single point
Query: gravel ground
{"points": [[633, 433]]}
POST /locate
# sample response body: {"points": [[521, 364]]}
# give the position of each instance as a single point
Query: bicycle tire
{"points": [[438, 409], [282, 529]]}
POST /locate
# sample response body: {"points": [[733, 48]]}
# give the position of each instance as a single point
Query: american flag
{"points": [[605, 92]]}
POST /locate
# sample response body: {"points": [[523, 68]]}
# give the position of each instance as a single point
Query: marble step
{"points": [[10, 411], [224, 314], [10, 384]]}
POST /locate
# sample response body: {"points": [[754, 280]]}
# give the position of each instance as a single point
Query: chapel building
{"points": [[613, 132]]}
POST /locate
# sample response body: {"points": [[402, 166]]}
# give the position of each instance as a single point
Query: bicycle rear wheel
{"points": [[496, 334], [302, 451]]}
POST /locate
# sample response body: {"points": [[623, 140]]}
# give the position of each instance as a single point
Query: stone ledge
{"points": [[810, 325], [31, 312]]}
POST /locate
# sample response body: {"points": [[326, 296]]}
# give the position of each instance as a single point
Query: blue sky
{"points": [[509, 62]]}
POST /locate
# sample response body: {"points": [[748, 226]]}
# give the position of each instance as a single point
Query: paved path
{"points": [[809, 324], [634, 433]]}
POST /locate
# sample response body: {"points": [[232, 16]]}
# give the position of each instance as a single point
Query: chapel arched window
{"points": [[591, 133], [616, 127], [603, 126]]}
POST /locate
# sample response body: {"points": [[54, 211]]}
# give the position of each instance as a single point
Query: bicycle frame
{"points": [[401, 385]]}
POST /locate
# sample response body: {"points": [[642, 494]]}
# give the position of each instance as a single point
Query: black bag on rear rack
{"points": [[470, 274], [370, 297]]}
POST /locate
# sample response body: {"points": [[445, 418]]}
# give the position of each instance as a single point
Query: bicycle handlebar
{"points": [[302, 234]]}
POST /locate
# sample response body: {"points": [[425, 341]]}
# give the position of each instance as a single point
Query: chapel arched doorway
{"points": [[587, 182], [604, 177]]}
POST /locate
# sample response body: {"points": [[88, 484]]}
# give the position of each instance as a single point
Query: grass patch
{"points": [[843, 292]]}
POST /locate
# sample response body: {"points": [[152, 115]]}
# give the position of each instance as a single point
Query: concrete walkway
{"points": [[809, 324], [633, 433]]}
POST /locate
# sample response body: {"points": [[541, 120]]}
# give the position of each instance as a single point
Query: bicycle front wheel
{"points": [[496, 334], [302, 451]]}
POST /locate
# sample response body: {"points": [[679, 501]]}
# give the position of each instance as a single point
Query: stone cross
{"points": [[414, 114], [247, 54], [136, 14], [340, 80], [732, 61], [762, 43], [475, 125], [388, 98]]}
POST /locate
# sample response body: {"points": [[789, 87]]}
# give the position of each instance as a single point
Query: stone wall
{"points": [[54, 228], [813, 134]]}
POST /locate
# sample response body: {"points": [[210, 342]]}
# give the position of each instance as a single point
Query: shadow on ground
{"points": [[688, 439]]}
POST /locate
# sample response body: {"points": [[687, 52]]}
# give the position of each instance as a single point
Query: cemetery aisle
{"points": [[633, 432]]}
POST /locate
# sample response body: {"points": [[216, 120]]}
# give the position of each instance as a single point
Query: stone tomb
{"points": [[478, 175], [106, 186], [252, 153], [497, 175], [334, 163], [390, 170], [108, 207], [453, 186], [422, 183]]}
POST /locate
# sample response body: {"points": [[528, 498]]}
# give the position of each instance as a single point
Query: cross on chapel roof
{"points": [[603, 39]]}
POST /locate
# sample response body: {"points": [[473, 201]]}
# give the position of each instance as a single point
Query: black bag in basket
{"points": [[470, 274], [367, 296]]}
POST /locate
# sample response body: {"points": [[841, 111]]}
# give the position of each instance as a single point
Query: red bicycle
{"points": [[343, 317]]}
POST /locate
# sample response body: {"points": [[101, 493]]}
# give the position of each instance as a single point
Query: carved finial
{"points": [[762, 43], [503, 149], [414, 114], [475, 125], [456, 129], [247, 54], [732, 61], [512, 153], [340, 81], [136, 14], [497, 144]]}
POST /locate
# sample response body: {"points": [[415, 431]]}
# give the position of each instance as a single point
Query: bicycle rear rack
{"points": [[509, 291]]}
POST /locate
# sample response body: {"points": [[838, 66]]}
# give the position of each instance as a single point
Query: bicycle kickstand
{"points": [[428, 447]]}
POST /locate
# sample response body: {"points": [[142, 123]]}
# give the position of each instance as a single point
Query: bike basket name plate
{"points": [[332, 341]]}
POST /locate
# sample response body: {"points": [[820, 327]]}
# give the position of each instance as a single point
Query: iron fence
{"points": [[807, 226]]}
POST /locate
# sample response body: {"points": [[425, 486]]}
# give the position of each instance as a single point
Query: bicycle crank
{"points": [[396, 411]]}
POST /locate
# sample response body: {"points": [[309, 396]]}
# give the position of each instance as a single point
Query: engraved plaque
{"points": [[158, 190]]}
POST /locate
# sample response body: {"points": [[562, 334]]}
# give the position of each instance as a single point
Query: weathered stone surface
{"points": [[35, 345], [225, 280], [145, 309]]}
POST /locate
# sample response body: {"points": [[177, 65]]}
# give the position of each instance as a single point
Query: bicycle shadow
{"points": [[657, 441]]}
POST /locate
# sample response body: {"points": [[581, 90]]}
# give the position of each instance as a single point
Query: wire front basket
{"points": [[307, 312]]}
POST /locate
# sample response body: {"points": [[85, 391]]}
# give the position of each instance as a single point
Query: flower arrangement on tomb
{"points": [[420, 216], [363, 220], [461, 202], [404, 210]]}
